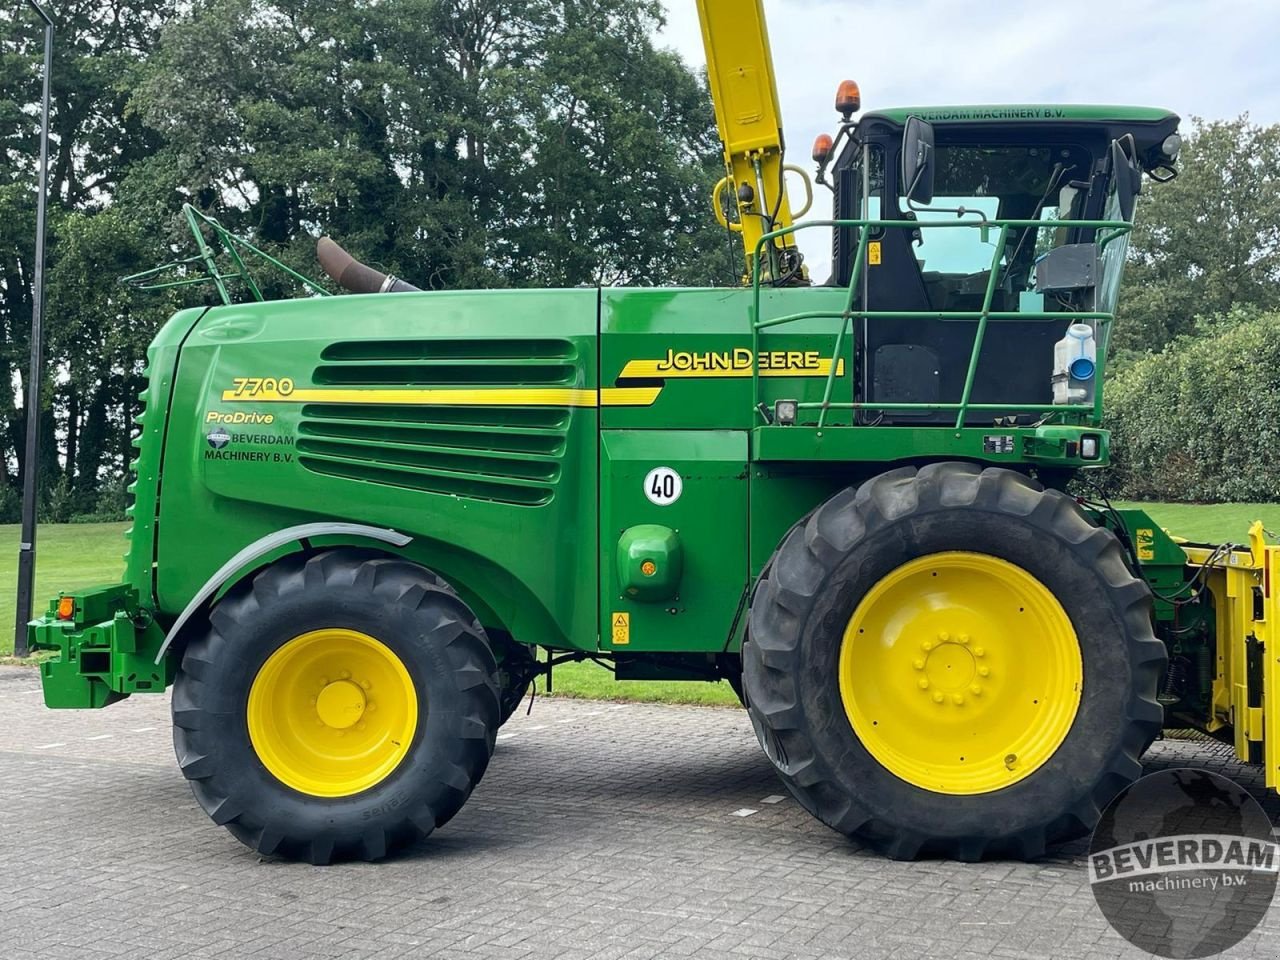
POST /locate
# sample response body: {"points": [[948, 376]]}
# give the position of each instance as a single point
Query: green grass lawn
{"points": [[593, 682], [67, 556], [79, 555], [1211, 522]]}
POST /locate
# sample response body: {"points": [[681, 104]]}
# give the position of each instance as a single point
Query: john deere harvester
{"points": [[364, 524]]}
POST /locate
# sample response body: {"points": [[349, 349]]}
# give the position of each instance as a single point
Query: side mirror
{"points": [[1126, 174], [917, 160]]}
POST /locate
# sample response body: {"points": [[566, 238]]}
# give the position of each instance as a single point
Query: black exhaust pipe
{"points": [[350, 274]]}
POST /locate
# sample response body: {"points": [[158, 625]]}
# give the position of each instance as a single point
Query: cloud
{"points": [[1213, 60]]}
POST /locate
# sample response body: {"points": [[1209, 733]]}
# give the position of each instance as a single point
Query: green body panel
{"points": [[152, 422], [1164, 565], [699, 342], [996, 445], [106, 649], [500, 501], [709, 518], [1187, 629], [650, 563]]}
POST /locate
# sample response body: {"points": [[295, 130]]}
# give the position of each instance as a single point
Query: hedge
{"points": [[1200, 421]]}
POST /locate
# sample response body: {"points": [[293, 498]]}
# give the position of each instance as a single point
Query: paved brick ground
{"points": [[600, 831]]}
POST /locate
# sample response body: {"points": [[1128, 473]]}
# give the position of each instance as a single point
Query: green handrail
{"points": [[982, 317], [206, 259]]}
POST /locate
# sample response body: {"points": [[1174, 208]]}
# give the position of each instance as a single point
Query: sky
{"points": [[1214, 59]]}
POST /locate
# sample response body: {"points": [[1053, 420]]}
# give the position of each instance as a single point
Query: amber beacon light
{"points": [[822, 145], [848, 98]]}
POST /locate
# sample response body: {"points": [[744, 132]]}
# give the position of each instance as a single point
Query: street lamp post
{"points": [[27, 546]]}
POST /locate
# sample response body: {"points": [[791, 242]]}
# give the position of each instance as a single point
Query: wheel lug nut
{"points": [[313, 701], [366, 684], [958, 700], [345, 675], [370, 707], [938, 698], [984, 671], [923, 684], [976, 690], [944, 636], [926, 646], [979, 652], [918, 663], [360, 725], [324, 681], [963, 638]]}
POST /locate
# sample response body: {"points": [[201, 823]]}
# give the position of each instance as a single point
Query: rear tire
{"points": [[292, 778], [805, 700]]}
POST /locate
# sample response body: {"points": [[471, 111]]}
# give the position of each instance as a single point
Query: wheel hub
{"points": [[313, 719], [340, 704], [949, 666], [960, 673]]}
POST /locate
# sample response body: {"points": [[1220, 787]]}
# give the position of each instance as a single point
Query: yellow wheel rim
{"points": [[960, 673], [332, 712]]}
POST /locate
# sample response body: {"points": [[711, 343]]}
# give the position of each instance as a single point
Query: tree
{"points": [[452, 142], [99, 53], [1209, 241], [457, 143]]}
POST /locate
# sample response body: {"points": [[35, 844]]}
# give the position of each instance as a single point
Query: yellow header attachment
{"points": [[745, 93], [1245, 583]]}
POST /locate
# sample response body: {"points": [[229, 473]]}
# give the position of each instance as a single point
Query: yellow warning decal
{"points": [[1146, 543], [621, 629], [873, 253]]}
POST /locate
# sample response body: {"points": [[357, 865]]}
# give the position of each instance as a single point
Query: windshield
{"points": [[1011, 182]]}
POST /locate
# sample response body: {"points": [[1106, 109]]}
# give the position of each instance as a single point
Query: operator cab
{"points": [[977, 166]]}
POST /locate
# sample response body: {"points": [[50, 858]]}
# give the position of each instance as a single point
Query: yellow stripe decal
{"points": [[628, 396], [682, 366], [502, 397]]}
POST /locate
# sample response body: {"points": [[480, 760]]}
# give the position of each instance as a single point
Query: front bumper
{"points": [[106, 648]]}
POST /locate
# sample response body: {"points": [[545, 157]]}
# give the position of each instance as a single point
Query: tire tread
{"points": [[196, 728], [801, 565]]}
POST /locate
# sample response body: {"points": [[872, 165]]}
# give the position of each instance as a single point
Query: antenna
{"points": [[27, 546]]}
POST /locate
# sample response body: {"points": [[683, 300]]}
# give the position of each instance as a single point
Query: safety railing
{"points": [[203, 264], [1113, 229]]}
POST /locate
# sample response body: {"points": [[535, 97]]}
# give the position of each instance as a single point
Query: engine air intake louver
{"points": [[482, 452]]}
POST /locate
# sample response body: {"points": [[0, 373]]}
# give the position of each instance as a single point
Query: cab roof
{"points": [[1042, 112]]}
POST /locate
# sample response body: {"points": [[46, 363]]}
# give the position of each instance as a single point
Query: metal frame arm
{"points": [[205, 262], [981, 318], [744, 92]]}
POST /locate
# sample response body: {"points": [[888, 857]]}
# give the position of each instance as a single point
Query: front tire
{"points": [[953, 662], [338, 706]]}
